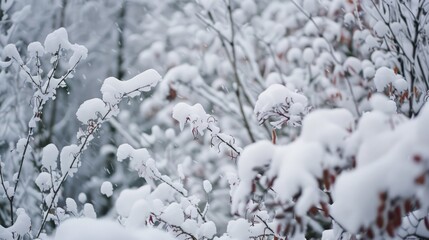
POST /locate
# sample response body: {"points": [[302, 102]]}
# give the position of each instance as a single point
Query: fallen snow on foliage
{"points": [[194, 115], [69, 159], [173, 214], [43, 181], [296, 166], [140, 161], [390, 167], [71, 206], [92, 110], [181, 78], [59, 39], [207, 229], [383, 77], [20, 228], [10, 51], [35, 49], [114, 90], [106, 188], [254, 157], [279, 101], [128, 197], [380, 102], [91, 229], [238, 229], [49, 156], [207, 186], [88, 211]]}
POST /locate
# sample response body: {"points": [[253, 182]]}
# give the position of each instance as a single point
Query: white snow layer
{"points": [[106, 188], [381, 167], [278, 100], [49, 156], [91, 229], [114, 90]]}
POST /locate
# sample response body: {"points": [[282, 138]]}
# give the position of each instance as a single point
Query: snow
{"points": [[88, 211], [140, 161], [49, 156], [369, 72], [35, 49], [106, 188], [253, 157], [82, 198], [294, 55], [68, 154], [56, 39], [349, 19], [352, 65], [400, 85], [238, 229], [173, 214], [278, 100], [207, 230], [126, 151], [194, 115], [128, 197], [43, 181], [390, 155], [249, 6], [296, 166], [383, 77], [207, 186], [300, 163], [79, 53], [71, 206], [91, 229], [319, 45], [11, 52], [308, 55], [92, 110], [180, 76], [381, 103], [170, 133], [190, 226], [336, 123], [371, 42], [310, 6], [22, 223], [114, 90], [311, 151], [139, 214], [381, 29], [20, 228]]}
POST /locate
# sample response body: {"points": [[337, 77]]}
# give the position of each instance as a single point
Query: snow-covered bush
{"points": [[294, 119]]}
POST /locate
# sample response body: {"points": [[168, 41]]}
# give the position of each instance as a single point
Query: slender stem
{"points": [[236, 76]]}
